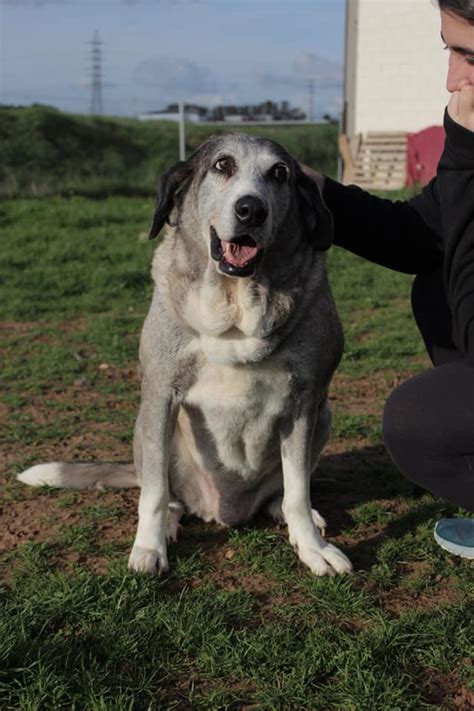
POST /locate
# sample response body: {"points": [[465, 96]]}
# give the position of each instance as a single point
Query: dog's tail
{"points": [[72, 475]]}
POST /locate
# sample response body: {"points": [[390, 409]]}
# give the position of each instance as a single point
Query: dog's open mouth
{"points": [[238, 256]]}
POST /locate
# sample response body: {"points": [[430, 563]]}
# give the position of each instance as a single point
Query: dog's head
{"points": [[241, 190]]}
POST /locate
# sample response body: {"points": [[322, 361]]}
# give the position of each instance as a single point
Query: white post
{"points": [[182, 149], [340, 129]]}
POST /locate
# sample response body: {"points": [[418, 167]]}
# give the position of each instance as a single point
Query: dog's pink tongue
{"points": [[238, 254]]}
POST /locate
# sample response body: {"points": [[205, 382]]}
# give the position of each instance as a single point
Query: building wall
{"points": [[167, 116], [395, 67]]}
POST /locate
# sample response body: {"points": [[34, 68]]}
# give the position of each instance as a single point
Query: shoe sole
{"points": [[454, 548]]}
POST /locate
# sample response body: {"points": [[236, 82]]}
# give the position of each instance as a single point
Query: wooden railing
{"points": [[374, 161]]}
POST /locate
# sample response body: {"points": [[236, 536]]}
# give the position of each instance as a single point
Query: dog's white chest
{"points": [[240, 405]]}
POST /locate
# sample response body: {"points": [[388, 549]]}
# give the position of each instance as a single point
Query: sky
{"points": [[155, 52]]}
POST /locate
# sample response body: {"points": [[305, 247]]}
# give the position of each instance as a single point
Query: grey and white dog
{"points": [[237, 352]]}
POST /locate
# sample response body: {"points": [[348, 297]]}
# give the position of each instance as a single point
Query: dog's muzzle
{"points": [[236, 257]]}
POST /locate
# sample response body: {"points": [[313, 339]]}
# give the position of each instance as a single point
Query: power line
{"points": [[311, 99], [96, 60]]}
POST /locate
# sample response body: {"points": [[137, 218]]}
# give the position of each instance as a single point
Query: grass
{"points": [[237, 623], [46, 152]]}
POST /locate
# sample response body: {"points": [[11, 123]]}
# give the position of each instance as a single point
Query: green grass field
{"points": [[46, 152], [238, 623]]}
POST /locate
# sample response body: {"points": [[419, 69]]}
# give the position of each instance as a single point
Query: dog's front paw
{"points": [[336, 558], [312, 558], [321, 558], [144, 560], [324, 559]]}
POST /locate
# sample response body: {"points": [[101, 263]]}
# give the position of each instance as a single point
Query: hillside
{"points": [[47, 152]]}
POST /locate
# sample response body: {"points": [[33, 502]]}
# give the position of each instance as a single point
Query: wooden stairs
{"points": [[374, 161]]}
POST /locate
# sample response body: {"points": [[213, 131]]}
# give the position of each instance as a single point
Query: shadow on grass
{"points": [[363, 497], [367, 479]]}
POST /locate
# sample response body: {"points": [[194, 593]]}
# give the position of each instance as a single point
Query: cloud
{"points": [[174, 77], [322, 70], [31, 3], [169, 2], [325, 74], [40, 3]]}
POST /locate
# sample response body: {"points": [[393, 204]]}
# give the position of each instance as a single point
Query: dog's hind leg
{"points": [[175, 512], [274, 509]]}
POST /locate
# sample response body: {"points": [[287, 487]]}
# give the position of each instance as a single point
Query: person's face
{"points": [[458, 36]]}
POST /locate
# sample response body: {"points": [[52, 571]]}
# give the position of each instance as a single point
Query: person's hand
{"points": [[461, 106], [316, 177]]}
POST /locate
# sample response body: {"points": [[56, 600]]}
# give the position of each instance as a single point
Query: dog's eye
{"points": [[224, 165], [279, 172]]}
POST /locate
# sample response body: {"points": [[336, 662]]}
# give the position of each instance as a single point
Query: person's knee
{"points": [[427, 432], [406, 431], [396, 427]]}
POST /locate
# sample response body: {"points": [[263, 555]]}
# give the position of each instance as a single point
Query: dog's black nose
{"points": [[250, 211]]}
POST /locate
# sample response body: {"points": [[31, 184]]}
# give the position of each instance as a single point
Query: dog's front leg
{"points": [[155, 425], [322, 558]]}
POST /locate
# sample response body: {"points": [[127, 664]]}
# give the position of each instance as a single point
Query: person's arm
{"points": [[396, 234], [456, 194], [401, 235]]}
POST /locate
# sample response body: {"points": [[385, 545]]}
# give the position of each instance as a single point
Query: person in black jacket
{"points": [[428, 421]]}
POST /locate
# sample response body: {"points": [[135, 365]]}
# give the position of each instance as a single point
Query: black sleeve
{"points": [[394, 234], [456, 194]]}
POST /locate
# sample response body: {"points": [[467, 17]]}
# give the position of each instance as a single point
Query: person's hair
{"points": [[461, 8]]}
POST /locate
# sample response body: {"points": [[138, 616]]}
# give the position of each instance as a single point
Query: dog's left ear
{"points": [[171, 189], [316, 215]]}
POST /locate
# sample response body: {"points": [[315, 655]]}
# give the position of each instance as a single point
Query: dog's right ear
{"points": [[316, 215], [172, 187]]}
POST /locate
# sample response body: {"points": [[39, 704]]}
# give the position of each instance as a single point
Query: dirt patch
{"points": [[446, 691], [19, 326], [399, 599], [365, 395], [33, 515], [25, 327]]}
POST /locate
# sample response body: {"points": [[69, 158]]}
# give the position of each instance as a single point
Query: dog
{"points": [[237, 352]]}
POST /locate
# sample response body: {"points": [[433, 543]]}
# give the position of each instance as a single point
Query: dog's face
{"points": [[242, 189], [242, 200]]}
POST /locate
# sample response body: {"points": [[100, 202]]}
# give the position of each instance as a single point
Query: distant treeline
{"points": [[46, 152], [266, 110]]}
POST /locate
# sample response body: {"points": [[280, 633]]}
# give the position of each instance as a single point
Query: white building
{"points": [[168, 116], [394, 83], [395, 67]]}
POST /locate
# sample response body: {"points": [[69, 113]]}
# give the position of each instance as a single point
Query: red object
{"points": [[423, 153]]}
